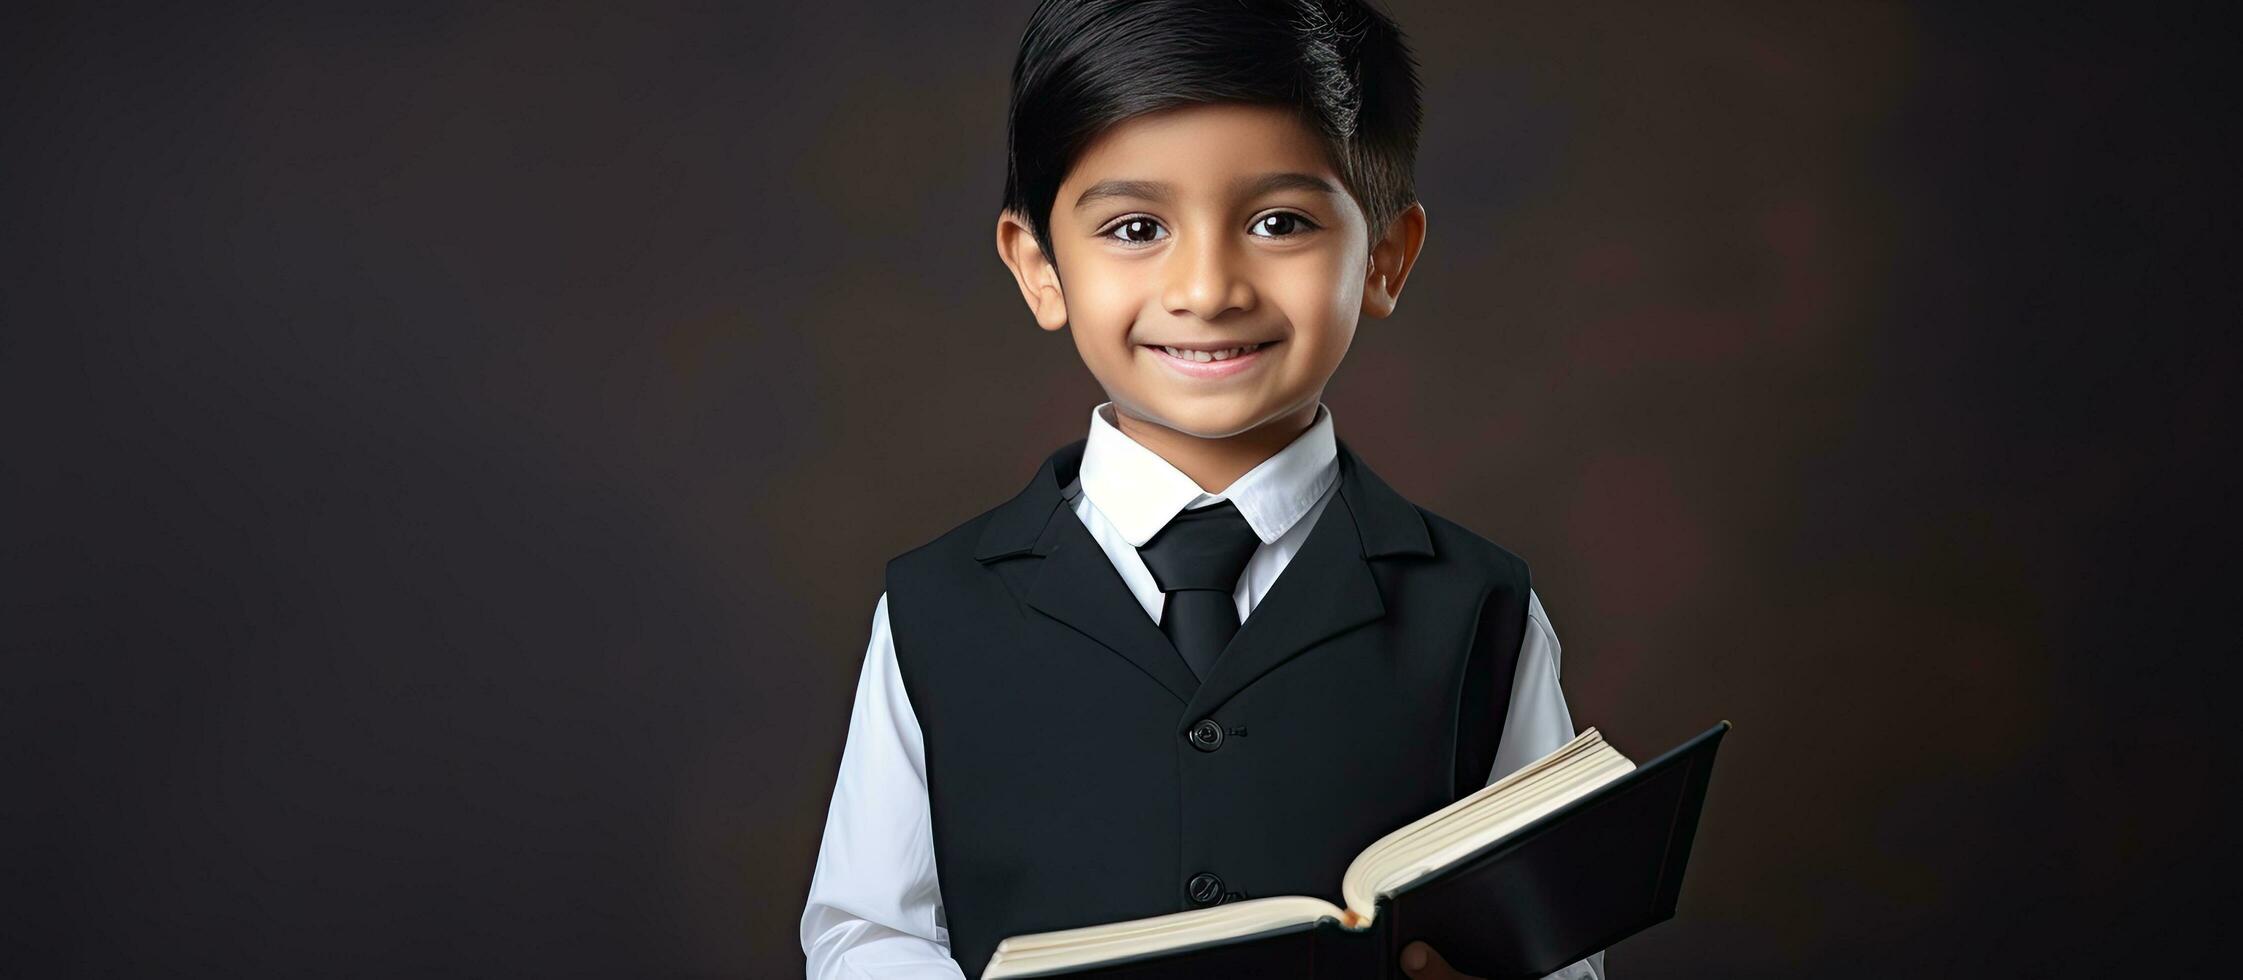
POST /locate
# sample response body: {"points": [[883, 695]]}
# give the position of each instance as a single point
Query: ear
{"points": [[1033, 270], [1392, 258]]}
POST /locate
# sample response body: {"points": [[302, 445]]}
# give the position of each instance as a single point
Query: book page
{"points": [[1371, 854], [1422, 847], [1428, 844], [1064, 949]]}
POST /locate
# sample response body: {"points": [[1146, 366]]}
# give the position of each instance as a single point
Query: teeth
{"points": [[1202, 355]]}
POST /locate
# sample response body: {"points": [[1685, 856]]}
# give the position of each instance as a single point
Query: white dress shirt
{"points": [[875, 908]]}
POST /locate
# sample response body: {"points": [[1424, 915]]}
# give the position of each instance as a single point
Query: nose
{"points": [[1204, 279]]}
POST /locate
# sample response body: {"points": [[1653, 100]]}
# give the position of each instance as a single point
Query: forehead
{"points": [[1199, 147]]}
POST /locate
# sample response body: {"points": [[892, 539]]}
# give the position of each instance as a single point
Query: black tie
{"points": [[1196, 560]]}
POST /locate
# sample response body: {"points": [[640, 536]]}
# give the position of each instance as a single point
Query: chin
{"points": [[1207, 421]]}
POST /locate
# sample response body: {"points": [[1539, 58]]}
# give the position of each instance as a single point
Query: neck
{"points": [[1215, 464]]}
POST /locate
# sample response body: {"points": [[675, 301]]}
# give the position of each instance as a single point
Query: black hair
{"points": [[1085, 65]]}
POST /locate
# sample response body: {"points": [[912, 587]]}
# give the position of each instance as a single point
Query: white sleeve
{"points": [[875, 909], [1536, 724]]}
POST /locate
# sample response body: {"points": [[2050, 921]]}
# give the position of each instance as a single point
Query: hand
{"points": [[1422, 963]]}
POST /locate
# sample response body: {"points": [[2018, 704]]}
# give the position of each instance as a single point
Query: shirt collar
{"points": [[1138, 491]]}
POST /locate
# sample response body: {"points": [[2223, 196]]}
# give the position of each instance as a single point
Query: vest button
{"points": [[1205, 889], [1207, 736]]}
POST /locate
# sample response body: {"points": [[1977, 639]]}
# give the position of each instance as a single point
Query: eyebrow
{"points": [[1153, 190]]}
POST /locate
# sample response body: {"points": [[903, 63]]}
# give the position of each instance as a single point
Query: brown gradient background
{"points": [[451, 454]]}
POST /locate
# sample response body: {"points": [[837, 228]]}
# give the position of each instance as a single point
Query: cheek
{"points": [[1321, 298], [1104, 299]]}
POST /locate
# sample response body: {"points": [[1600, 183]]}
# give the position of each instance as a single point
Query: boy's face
{"points": [[1210, 228]]}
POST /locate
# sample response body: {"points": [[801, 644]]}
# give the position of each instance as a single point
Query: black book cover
{"points": [[1592, 873]]}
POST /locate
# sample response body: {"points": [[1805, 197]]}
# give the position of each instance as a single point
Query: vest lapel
{"points": [[1074, 582], [1326, 589]]}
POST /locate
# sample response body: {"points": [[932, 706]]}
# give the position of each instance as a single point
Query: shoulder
{"points": [[1502, 588], [1459, 545], [1394, 525], [947, 548], [1009, 527]]}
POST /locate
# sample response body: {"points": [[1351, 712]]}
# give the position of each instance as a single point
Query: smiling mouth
{"points": [[1206, 356]]}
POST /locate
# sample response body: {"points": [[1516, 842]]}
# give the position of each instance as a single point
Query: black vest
{"points": [[1078, 773]]}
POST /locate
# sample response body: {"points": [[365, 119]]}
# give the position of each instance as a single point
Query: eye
{"points": [[1138, 230], [1282, 224]]}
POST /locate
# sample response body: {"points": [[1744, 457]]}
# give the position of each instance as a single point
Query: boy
{"points": [[1206, 654]]}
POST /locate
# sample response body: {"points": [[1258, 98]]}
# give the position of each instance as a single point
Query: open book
{"points": [[1571, 853]]}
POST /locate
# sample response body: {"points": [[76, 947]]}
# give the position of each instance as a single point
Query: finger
{"points": [[1421, 962]]}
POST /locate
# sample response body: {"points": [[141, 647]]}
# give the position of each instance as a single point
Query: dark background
{"points": [[451, 453]]}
